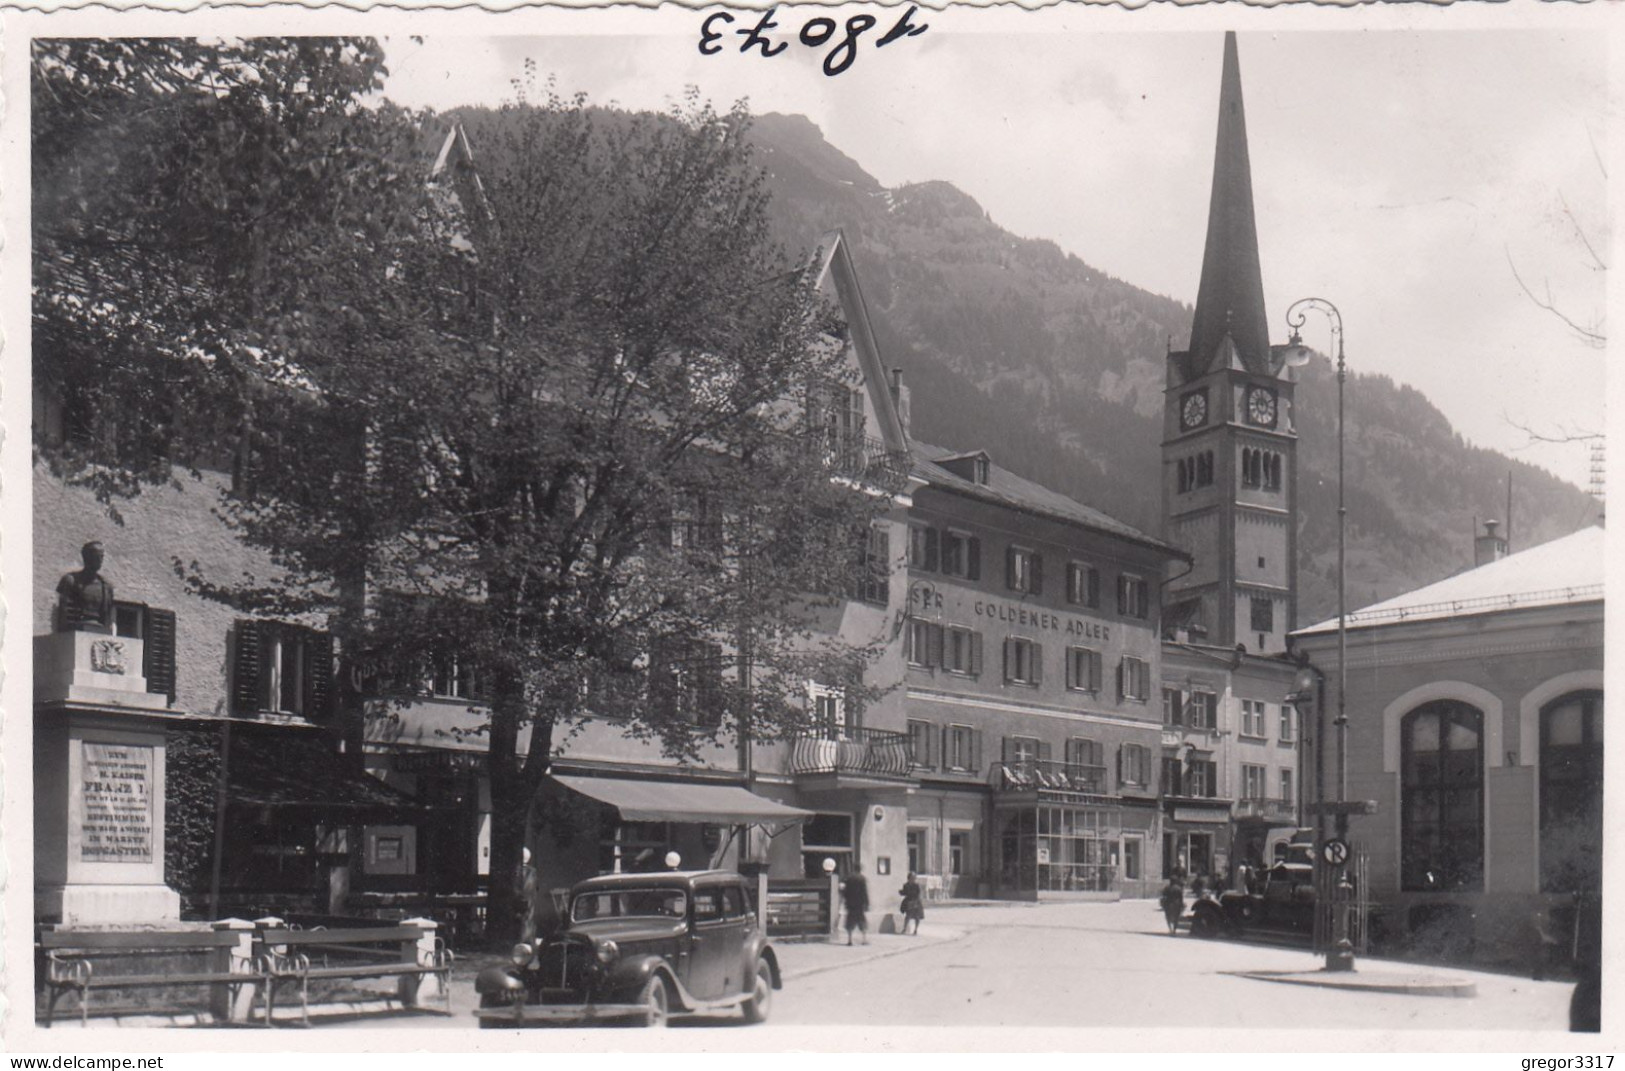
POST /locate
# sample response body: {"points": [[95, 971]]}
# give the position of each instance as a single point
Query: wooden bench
{"points": [[71, 955], [285, 955]]}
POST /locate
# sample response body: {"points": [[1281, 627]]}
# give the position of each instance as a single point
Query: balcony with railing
{"points": [[1049, 777], [850, 756], [1274, 810], [862, 457]]}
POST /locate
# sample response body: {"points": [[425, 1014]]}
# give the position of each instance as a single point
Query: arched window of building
{"points": [[1204, 468], [1442, 797], [1247, 479], [1184, 476], [1272, 472], [1571, 793]]}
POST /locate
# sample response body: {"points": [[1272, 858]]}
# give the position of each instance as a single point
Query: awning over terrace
{"points": [[666, 801]]}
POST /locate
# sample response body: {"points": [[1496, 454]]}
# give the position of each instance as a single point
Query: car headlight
{"points": [[607, 951], [520, 956]]}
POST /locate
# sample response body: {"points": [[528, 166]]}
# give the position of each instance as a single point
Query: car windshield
{"points": [[628, 903]]}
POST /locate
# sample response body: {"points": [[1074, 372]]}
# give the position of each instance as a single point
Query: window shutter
{"points": [[1096, 672], [245, 668], [947, 751], [1044, 751], [1010, 568], [973, 558], [1037, 587], [158, 656], [936, 645], [933, 549], [1120, 753], [976, 751], [1144, 671], [976, 654], [1071, 660], [318, 674], [1005, 749], [1120, 679], [1094, 586], [1009, 651], [1038, 663]]}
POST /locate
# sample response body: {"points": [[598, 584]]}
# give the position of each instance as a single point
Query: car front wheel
{"points": [[761, 998], [656, 1003]]}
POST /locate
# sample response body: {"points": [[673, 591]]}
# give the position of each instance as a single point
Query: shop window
{"points": [[1023, 661], [1133, 864], [916, 851], [1024, 570], [826, 836], [1082, 584], [281, 667], [958, 851], [1571, 767], [1442, 797], [961, 555], [1083, 669], [155, 629]]}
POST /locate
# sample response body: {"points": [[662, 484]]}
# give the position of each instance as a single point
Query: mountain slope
{"points": [[1056, 368]]}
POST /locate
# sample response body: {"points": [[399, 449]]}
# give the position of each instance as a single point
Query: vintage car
{"points": [[1282, 898], [638, 948]]}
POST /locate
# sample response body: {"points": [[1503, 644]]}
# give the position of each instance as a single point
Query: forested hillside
{"points": [[1056, 368]]}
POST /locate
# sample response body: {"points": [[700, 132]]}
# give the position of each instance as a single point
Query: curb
{"points": [[807, 972], [1413, 985]]}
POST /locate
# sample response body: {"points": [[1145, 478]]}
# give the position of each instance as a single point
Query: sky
{"points": [[1401, 175]]}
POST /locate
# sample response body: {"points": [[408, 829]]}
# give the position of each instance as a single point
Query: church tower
{"points": [[1229, 447]]}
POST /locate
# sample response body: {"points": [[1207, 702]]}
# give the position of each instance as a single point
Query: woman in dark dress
{"points": [[913, 903], [1173, 903]]}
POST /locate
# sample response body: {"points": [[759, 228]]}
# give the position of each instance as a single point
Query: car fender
{"points": [[627, 977], [498, 980], [772, 958]]}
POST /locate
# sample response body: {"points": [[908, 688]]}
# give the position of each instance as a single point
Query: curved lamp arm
{"points": [[1297, 354]]}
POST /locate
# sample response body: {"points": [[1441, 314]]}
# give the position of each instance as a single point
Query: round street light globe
{"points": [[829, 865], [673, 860]]}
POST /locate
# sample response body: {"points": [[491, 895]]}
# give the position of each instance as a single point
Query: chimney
{"points": [[899, 398], [1490, 546]]}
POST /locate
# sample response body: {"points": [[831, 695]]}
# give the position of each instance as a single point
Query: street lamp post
{"points": [[1340, 957]]}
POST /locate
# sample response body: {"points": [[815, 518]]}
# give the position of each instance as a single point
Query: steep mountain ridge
{"points": [[1057, 369]]}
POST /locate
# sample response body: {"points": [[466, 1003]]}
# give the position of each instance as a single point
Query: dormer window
{"points": [[976, 467]]}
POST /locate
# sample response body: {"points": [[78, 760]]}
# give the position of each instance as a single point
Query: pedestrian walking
{"points": [[913, 903], [855, 895], [1173, 904]]}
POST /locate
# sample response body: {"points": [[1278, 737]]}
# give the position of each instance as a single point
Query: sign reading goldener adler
{"points": [[116, 822]]}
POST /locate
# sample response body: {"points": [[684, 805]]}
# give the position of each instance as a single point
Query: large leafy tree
{"points": [[563, 415], [588, 444]]}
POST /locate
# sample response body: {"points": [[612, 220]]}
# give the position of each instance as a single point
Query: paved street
{"points": [[1091, 965], [1113, 965]]}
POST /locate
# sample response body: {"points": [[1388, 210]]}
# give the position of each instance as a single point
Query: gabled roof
{"points": [[1565, 571], [832, 267], [1005, 488]]}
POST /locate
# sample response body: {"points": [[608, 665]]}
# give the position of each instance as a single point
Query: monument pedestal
{"points": [[99, 776]]}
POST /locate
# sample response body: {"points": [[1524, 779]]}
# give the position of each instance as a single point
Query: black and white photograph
{"points": [[879, 528]]}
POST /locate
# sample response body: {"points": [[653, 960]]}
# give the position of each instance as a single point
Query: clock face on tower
{"points": [[1193, 410], [1261, 406]]}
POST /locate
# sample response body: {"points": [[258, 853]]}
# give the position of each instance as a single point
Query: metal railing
{"points": [[853, 750], [1026, 775], [865, 458]]}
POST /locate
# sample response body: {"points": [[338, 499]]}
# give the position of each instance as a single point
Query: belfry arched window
{"points": [[1442, 797], [1571, 793]]}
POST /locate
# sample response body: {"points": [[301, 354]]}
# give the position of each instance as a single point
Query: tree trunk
{"points": [[513, 787]]}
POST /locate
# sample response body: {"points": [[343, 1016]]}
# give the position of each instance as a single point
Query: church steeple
{"points": [[1230, 298]]}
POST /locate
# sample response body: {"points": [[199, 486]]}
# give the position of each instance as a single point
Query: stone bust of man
{"points": [[84, 597]]}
